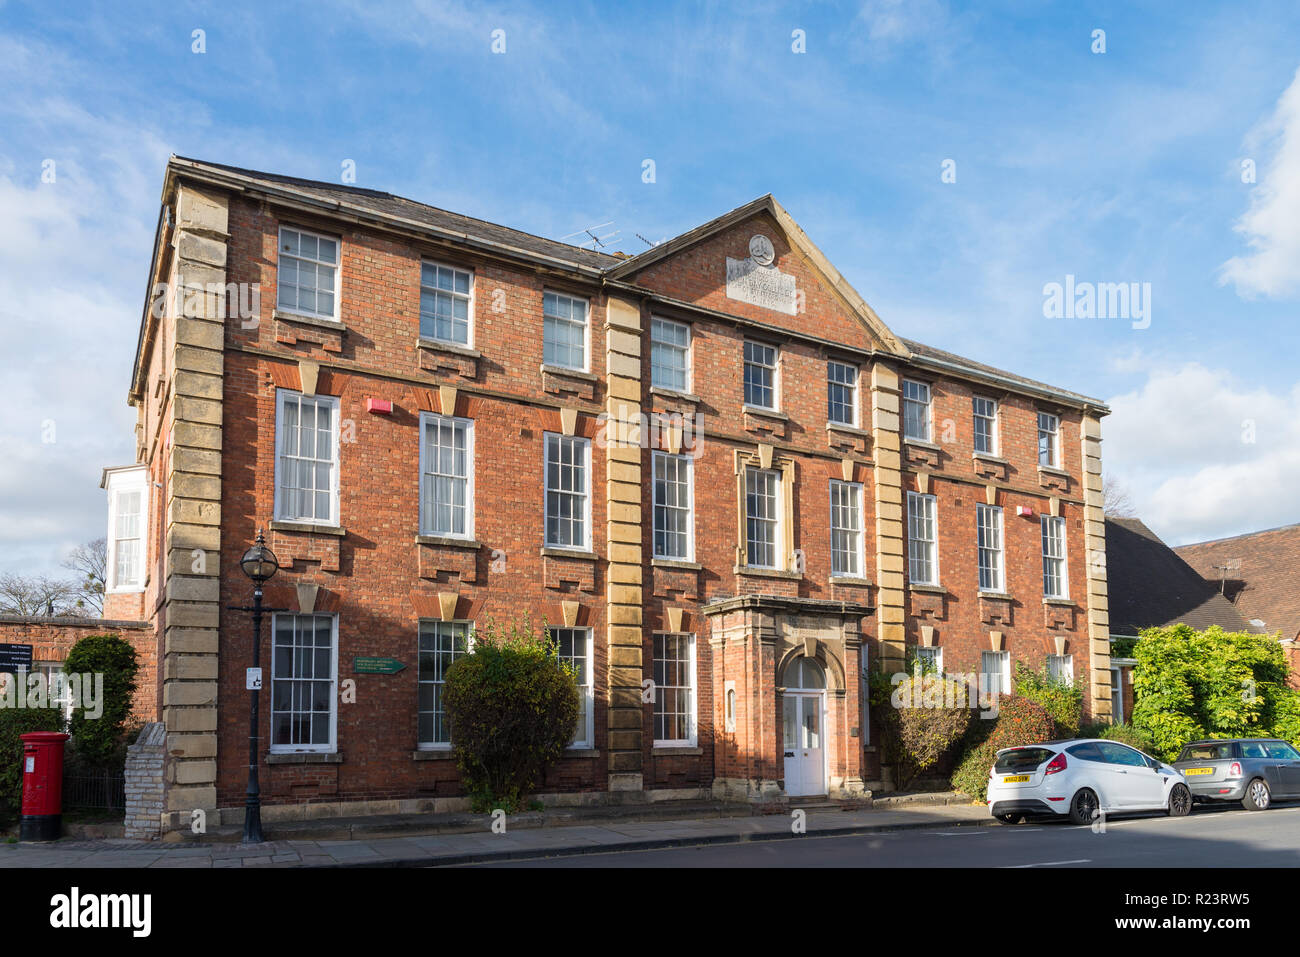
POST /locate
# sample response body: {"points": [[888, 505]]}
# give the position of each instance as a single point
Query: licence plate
{"points": [[1016, 779], [1199, 771]]}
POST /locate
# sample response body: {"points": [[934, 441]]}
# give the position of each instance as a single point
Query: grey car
{"points": [[1254, 771]]}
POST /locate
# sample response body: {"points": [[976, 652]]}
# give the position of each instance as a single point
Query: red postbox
{"points": [[42, 818]]}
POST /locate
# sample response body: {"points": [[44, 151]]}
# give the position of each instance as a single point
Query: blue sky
{"points": [[1122, 166]]}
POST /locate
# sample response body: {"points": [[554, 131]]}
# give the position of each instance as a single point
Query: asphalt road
{"points": [[1209, 837]]}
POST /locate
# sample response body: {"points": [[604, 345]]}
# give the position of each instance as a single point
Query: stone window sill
{"points": [[579, 554], [673, 750], [308, 320], [996, 595], [674, 394], [928, 589], [922, 444], [569, 373], [988, 457], [1053, 470], [1067, 602], [304, 757], [447, 542], [850, 580], [307, 528], [433, 754], [676, 564], [581, 753], [437, 345], [769, 413], [847, 429], [766, 573]]}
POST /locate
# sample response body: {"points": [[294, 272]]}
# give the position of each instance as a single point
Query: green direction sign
{"points": [[376, 666]]}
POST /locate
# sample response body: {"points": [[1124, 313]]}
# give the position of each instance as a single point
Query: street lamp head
{"points": [[259, 562]]}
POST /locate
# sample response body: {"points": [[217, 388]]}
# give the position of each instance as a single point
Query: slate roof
{"points": [[1266, 585], [387, 205], [1150, 586]]}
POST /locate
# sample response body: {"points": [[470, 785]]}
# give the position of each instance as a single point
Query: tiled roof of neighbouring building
{"points": [[1265, 584], [1150, 586]]}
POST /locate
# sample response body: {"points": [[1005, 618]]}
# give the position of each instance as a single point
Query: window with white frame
{"points": [[673, 500], [128, 538], [984, 413], [670, 355], [1049, 440], [931, 659], [1055, 582], [307, 459], [989, 548], [564, 331], [440, 643], [446, 476], [916, 410], [574, 647], [846, 529], [446, 299], [307, 276], [841, 393], [760, 375], [304, 667], [1060, 668], [995, 672], [674, 690], [922, 540], [568, 496], [762, 518]]}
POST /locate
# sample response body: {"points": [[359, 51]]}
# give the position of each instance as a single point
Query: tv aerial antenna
{"points": [[594, 238]]}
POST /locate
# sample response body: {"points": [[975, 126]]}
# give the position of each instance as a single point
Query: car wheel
{"points": [[1083, 807], [1009, 818], [1180, 801], [1257, 797]]}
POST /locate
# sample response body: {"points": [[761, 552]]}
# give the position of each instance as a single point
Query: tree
{"points": [[1116, 502], [36, 596], [90, 564], [100, 735]]}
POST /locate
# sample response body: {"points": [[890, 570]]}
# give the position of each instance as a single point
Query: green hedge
{"points": [[100, 742], [15, 722], [1212, 684], [1063, 700], [918, 738]]}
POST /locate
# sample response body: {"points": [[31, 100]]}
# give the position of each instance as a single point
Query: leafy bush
{"points": [[101, 741], [927, 718], [513, 705], [15, 722], [1127, 734], [1190, 684], [1019, 722], [1063, 700]]}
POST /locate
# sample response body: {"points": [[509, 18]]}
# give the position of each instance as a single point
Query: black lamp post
{"points": [[259, 564]]}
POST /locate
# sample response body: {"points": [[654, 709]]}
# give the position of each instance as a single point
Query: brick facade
{"points": [[214, 400]]}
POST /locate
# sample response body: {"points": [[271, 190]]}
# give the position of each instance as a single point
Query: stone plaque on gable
{"points": [[759, 284]]}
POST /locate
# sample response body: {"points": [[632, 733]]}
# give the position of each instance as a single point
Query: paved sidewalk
{"points": [[446, 849]]}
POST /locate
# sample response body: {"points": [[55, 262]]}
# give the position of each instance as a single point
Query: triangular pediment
{"points": [[756, 262]]}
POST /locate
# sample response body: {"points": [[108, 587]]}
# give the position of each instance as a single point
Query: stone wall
{"points": [[52, 638], [144, 783]]}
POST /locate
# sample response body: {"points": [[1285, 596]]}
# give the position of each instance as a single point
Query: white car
{"points": [[1082, 777]]}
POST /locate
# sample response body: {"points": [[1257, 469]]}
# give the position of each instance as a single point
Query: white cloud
{"points": [[1272, 224], [1204, 456]]}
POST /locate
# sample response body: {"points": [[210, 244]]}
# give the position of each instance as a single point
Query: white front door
{"points": [[805, 770]]}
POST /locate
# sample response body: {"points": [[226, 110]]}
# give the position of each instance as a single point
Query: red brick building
{"points": [[709, 466]]}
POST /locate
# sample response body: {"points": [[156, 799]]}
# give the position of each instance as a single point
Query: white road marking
{"points": [[1012, 867]]}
